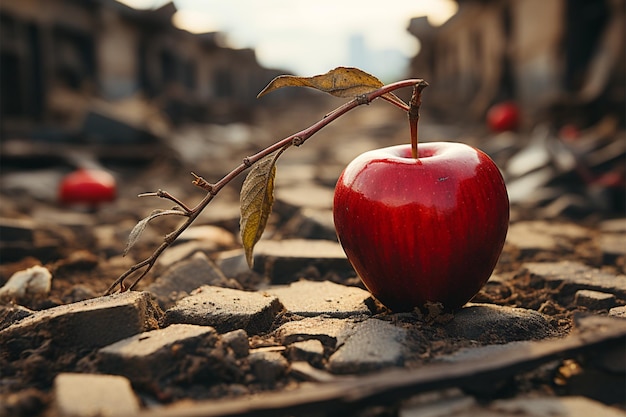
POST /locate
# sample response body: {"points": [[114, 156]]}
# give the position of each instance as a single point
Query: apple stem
{"points": [[414, 114]]}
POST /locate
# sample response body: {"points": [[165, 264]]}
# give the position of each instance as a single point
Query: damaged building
{"points": [[562, 61], [62, 58]]}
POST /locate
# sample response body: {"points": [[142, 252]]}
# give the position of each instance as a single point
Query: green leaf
{"points": [[344, 82], [256, 200]]}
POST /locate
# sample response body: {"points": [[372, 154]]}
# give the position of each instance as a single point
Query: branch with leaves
{"points": [[257, 192]]}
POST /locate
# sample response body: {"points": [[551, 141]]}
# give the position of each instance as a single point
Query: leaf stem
{"points": [[213, 189]]}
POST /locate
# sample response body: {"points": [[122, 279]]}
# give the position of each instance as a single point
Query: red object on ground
{"points": [[503, 117], [87, 186]]}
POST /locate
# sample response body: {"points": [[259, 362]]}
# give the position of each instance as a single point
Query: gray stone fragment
{"points": [[531, 237], [185, 276], [226, 310], [324, 329], [237, 340], [20, 230], [612, 245], [499, 324], [86, 324], [613, 226], [232, 263], [551, 406], [151, 355], [311, 223], [618, 312], [310, 350], [594, 300], [289, 259], [267, 367], [452, 402], [12, 313], [482, 352], [81, 395], [573, 276], [368, 346], [316, 298], [305, 195]]}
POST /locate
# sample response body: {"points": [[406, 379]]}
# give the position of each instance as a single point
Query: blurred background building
{"points": [[559, 60], [56, 56]]}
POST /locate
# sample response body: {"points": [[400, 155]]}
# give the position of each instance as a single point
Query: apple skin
{"points": [[422, 230], [87, 186], [503, 117]]}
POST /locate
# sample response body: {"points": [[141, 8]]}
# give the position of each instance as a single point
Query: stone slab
{"points": [[183, 277], [81, 395], [86, 324], [574, 276], [316, 298], [531, 237], [226, 309], [594, 300], [324, 329], [368, 346], [288, 260], [149, 355], [267, 367], [499, 324]]}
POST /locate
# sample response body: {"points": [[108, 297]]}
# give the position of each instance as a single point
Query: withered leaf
{"points": [[256, 200], [344, 82], [135, 234]]}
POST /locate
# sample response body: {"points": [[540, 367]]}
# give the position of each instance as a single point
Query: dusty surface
{"points": [[82, 250]]}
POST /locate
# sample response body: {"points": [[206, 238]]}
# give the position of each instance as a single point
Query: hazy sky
{"points": [[307, 37]]}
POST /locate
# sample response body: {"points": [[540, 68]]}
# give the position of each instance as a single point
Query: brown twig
{"points": [[296, 139]]}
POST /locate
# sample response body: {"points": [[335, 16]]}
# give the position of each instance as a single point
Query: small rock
{"points": [[311, 351], [499, 324], [218, 236], [79, 395], [12, 313], [314, 298], [237, 340], [613, 226], [618, 312], [185, 276], [573, 276], [551, 406], [368, 346], [181, 252], [452, 402], [305, 195], [17, 230], [304, 371], [226, 310], [28, 284], [613, 246], [594, 300], [324, 329], [267, 367], [310, 223], [84, 325], [151, 355], [232, 263], [287, 260], [531, 237]]}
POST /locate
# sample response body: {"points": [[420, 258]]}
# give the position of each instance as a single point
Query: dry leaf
{"points": [[135, 234], [345, 82], [256, 199]]}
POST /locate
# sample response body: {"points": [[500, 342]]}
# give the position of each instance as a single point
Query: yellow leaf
{"points": [[256, 199], [344, 82]]}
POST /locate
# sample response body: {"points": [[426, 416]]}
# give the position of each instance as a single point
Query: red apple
{"points": [[87, 186], [503, 116], [422, 230]]}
